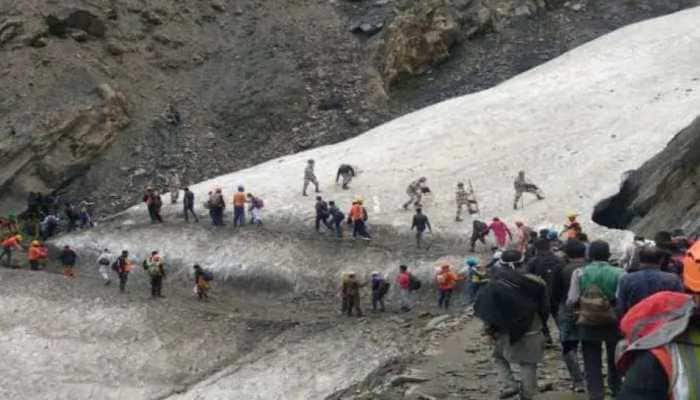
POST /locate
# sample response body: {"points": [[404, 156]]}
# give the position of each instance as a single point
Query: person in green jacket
{"points": [[605, 277]]}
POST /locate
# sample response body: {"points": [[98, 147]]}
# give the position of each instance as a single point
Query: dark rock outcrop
{"points": [[663, 194]]}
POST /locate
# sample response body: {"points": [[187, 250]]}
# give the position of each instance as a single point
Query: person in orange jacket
{"points": [[446, 281], [357, 216], [239, 200], [9, 244], [36, 254]]}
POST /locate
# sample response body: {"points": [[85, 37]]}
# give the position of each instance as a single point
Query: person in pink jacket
{"points": [[500, 230]]}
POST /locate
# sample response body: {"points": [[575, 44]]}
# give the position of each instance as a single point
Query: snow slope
{"points": [[576, 124]]}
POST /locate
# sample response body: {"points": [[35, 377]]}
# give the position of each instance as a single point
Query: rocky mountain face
{"points": [[664, 194], [101, 98]]}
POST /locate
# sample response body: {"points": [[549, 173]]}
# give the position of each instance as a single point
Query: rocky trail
{"points": [[437, 355]]}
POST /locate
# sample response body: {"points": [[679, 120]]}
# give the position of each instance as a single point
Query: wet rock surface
{"points": [[663, 194]]}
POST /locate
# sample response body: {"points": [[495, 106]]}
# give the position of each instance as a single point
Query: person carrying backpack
{"points": [[513, 306], [216, 205], [322, 214], [104, 260], [122, 266], [337, 218], [11, 243], [474, 277], [201, 282], [661, 351], [358, 217], [351, 293], [255, 209], [380, 287], [592, 293], [547, 266], [407, 284], [156, 270]]}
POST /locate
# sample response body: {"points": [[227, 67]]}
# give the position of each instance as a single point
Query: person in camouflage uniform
{"points": [[465, 198], [415, 193], [310, 177], [522, 185]]}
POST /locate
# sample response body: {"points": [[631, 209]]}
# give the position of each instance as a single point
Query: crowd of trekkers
{"points": [[638, 316]]}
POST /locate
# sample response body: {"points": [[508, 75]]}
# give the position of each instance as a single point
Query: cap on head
{"points": [[571, 215], [19, 238], [471, 261], [512, 257], [35, 243], [552, 235]]}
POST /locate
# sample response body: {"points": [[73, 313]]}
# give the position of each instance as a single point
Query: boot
{"points": [[574, 371]]}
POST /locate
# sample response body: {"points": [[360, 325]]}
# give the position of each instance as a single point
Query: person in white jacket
{"points": [[104, 262]]}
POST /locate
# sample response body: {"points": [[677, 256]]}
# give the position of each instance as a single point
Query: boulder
{"points": [[417, 39], [82, 20], [62, 149], [9, 29]]}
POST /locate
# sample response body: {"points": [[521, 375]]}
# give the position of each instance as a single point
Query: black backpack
{"points": [[413, 283], [384, 288], [207, 276]]}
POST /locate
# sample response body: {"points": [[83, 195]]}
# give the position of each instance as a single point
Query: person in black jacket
{"points": [[322, 214], [420, 223], [337, 218], [513, 305], [188, 205], [347, 172], [479, 231], [68, 259], [547, 266]]}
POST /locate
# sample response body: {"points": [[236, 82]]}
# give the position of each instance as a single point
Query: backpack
{"points": [[157, 202], [413, 283], [384, 288], [594, 308], [115, 265], [365, 216], [207, 276], [338, 215], [258, 203]]}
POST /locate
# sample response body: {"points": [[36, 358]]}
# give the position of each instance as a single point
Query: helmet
{"points": [[552, 235], [35, 243], [471, 261], [19, 238], [691, 268]]}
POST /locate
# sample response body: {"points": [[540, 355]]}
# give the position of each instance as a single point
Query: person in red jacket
{"points": [[660, 354], [500, 230], [403, 281]]}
